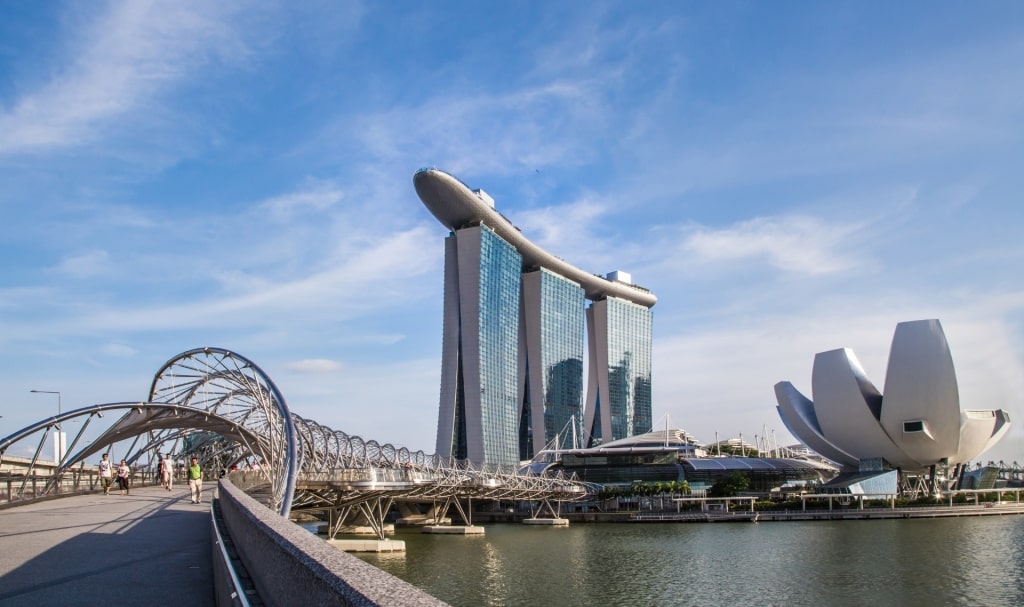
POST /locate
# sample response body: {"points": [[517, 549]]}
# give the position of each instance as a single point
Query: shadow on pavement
{"points": [[144, 549]]}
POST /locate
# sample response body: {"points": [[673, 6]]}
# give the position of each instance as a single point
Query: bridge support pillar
{"points": [[363, 517]]}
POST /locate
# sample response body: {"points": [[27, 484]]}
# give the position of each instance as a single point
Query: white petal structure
{"points": [[797, 413], [915, 424]]}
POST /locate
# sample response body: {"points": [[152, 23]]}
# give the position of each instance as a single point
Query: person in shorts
{"points": [[167, 471], [106, 474]]}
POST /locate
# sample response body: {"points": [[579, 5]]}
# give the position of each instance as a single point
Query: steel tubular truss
{"points": [[370, 490], [223, 383], [221, 407]]}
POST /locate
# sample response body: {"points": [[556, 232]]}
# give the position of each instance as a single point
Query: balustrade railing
{"points": [[19, 487]]}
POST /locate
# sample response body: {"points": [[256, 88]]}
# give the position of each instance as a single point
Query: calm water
{"points": [[927, 562]]}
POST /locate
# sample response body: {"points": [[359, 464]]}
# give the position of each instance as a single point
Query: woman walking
{"points": [[123, 477]]}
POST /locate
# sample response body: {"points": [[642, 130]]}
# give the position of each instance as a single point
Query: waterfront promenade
{"points": [[151, 547]]}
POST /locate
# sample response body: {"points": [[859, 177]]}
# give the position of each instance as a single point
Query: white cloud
{"points": [[124, 60], [118, 350], [316, 196], [26, 297], [368, 279], [85, 265], [800, 244], [915, 111], [495, 132], [314, 365], [564, 227]]}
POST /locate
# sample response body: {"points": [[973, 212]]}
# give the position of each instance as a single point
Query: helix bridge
{"points": [[221, 407]]}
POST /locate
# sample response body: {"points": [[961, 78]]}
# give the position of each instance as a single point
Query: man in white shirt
{"points": [[106, 474], [168, 472]]}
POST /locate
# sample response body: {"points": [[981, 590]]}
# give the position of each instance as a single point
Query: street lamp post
{"points": [[59, 438], [57, 392]]}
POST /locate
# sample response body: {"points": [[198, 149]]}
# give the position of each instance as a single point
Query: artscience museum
{"points": [[915, 427]]}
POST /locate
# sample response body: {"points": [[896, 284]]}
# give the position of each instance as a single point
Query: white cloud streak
{"points": [[799, 244], [493, 132], [118, 350], [85, 265], [314, 366], [371, 278], [120, 65], [317, 196]]}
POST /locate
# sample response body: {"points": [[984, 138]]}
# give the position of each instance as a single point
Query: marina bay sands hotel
{"points": [[513, 339]]}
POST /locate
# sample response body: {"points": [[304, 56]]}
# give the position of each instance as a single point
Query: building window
{"points": [[913, 426]]}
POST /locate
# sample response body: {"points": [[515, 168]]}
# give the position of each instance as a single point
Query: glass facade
{"points": [[629, 369], [562, 305], [498, 330], [515, 330], [611, 468], [512, 378], [554, 314]]}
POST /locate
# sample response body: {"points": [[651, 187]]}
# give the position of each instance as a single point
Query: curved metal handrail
{"points": [[222, 407]]}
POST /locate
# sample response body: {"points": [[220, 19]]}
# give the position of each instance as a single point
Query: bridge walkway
{"points": [[149, 548]]}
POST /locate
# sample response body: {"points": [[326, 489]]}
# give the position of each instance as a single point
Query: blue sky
{"points": [[788, 178]]}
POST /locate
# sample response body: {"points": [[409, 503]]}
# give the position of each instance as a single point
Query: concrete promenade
{"points": [[151, 547]]}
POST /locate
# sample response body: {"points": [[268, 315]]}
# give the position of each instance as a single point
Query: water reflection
{"points": [[926, 562]]}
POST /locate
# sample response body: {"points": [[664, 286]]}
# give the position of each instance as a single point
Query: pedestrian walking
{"points": [[124, 477], [195, 481], [168, 471], [106, 474]]}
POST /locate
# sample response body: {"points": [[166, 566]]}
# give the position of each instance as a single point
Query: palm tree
{"points": [[658, 488]]}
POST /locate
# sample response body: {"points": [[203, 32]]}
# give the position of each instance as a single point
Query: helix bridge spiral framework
{"points": [[221, 407]]}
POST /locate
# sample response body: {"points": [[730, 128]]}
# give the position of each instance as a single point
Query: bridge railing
{"points": [[18, 487], [374, 474]]}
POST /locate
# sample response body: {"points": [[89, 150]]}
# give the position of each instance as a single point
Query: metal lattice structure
{"points": [[221, 407], [228, 385]]}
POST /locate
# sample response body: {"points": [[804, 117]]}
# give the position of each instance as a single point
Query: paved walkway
{"points": [[151, 547]]}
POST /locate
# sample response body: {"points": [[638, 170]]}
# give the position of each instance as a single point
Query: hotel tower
{"points": [[516, 324]]}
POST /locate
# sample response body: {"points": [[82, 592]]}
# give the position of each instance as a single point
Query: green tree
{"points": [[730, 485]]}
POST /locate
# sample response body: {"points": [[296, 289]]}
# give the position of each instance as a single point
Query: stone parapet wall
{"points": [[290, 566]]}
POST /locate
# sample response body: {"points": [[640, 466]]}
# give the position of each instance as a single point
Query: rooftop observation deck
{"points": [[456, 206]]}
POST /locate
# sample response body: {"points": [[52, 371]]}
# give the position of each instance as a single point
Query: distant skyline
{"points": [[787, 178]]}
